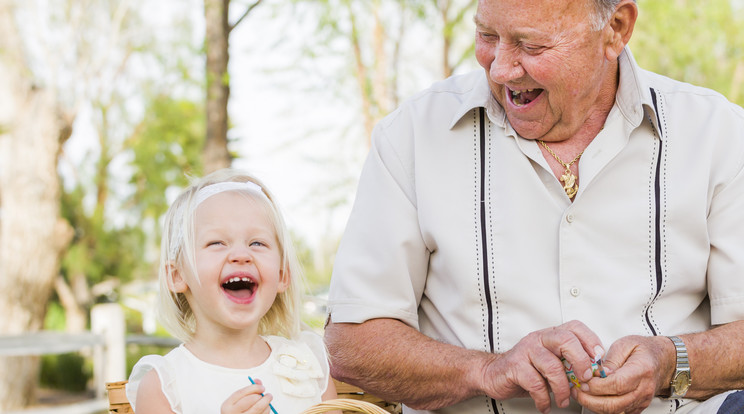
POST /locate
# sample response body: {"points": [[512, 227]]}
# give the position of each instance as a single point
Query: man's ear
{"points": [[176, 283], [620, 28]]}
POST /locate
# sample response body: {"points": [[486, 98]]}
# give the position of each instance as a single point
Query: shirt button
{"points": [[575, 291], [570, 218]]}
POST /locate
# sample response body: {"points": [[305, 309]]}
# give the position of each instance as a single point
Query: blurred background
{"points": [[108, 106]]}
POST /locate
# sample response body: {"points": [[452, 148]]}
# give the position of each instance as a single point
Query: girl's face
{"points": [[238, 265]]}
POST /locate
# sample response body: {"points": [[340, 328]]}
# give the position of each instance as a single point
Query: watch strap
{"points": [[682, 365]]}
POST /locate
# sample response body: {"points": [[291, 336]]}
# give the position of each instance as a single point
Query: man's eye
{"points": [[488, 37], [533, 49]]}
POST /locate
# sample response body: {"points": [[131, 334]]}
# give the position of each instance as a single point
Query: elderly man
{"points": [[516, 224]]}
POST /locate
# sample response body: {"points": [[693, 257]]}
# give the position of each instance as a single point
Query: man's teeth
{"points": [[515, 93], [517, 97]]}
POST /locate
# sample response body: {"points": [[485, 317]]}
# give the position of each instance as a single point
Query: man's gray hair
{"points": [[604, 10]]}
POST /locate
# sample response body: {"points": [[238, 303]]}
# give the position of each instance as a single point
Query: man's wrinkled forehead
{"points": [[542, 19], [557, 6]]}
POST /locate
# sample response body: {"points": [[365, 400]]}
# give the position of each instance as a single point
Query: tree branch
{"points": [[246, 13]]}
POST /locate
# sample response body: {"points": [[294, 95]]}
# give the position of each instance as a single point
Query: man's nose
{"points": [[506, 66]]}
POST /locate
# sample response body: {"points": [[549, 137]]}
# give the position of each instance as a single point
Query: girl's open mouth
{"points": [[241, 288]]}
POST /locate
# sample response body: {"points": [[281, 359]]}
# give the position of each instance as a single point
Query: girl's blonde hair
{"points": [[177, 251]]}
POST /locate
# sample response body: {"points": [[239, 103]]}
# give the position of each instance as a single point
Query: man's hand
{"points": [[534, 367], [638, 369]]}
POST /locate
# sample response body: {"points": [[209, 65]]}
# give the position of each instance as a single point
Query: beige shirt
{"points": [[461, 230]]}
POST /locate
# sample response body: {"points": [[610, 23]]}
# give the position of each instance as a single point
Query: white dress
{"points": [[295, 373]]}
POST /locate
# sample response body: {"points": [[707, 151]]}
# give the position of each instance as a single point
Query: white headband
{"points": [[214, 189], [210, 190]]}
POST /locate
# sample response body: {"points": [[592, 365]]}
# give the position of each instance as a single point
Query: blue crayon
{"points": [[270, 406]]}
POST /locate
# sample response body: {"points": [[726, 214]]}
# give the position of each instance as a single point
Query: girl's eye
{"points": [[257, 243], [215, 243]]}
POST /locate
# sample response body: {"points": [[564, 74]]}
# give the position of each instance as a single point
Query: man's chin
{"points": [[527, 129]]}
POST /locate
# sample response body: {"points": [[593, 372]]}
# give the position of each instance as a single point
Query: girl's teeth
{"points": [[238, 279]]}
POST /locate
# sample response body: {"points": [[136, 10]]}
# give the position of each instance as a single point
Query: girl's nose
{"points": [[240, 254]]}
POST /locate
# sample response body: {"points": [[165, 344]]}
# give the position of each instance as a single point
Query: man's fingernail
{"points": [[598, 351], [588, 374]]}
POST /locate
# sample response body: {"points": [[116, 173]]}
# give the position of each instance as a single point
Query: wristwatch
{"points": [[681, 380]]}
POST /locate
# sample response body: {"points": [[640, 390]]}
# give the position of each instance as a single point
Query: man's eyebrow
{"points": [[519, 34], [477, 21]]}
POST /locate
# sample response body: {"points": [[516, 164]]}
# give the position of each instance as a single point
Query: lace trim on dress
{"points": [[298, 369]]}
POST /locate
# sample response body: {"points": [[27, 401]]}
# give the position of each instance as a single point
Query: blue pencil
{"points": [[270, 406]]}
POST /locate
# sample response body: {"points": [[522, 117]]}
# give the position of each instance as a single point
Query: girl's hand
{"points": [[248, 400]]}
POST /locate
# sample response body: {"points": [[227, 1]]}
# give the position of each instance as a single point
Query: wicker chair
{"points": [[350, 399]]}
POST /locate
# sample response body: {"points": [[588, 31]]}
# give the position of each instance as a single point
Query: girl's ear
{"points": [[285, 278], [176, 283]]}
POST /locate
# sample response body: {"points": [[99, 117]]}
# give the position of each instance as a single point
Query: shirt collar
{"points": [[633, 97], [478, 96]]}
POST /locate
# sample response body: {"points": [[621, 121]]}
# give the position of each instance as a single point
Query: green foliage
{"points": [[167, 149], [54, 320], [69, 372], [98, 250], [697, 42], [165, 146]]}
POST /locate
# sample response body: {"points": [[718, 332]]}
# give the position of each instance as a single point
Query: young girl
{"points": [[230, 288]]}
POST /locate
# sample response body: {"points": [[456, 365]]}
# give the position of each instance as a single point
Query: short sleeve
{"points": [[725, 281], [167, 380], [381, 266]]}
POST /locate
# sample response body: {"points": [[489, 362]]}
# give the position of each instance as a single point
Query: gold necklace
{"points": [[568, 178]]}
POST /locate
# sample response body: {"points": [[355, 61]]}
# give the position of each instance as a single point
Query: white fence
{"points": [[106, 340]]}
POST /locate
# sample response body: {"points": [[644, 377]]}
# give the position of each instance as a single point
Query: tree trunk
{"points": [[216, 154], [32, 234]]}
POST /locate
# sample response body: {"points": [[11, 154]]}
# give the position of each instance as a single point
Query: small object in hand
{"points": [[570, 374], [597, 365], [270, 406]]}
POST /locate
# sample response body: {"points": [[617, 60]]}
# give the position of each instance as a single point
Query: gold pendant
{"points": [[569, 183]]}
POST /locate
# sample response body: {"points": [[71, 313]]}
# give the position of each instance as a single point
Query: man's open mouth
{"points": [[523, 97]]}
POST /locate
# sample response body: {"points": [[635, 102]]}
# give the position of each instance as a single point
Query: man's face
{"points": [[545, 64]]}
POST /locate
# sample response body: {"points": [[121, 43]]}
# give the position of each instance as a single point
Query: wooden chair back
{"points": [[117, 397]]}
